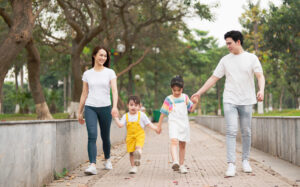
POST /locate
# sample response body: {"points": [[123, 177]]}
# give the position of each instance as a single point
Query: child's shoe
{"points": [[137, 157], [91, 170], [175, 166], [182, 169], [133, 170]]}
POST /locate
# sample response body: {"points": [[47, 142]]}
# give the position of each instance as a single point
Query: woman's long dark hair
{"points": [[95, 51]]}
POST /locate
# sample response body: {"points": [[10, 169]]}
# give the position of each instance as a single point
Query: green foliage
{"points": [[287, 112], [18, 117], [58, 176]]}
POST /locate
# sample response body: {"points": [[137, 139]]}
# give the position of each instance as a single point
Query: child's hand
{"points": [[158, 130]]}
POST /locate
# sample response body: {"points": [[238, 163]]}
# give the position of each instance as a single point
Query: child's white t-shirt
{"points": [[144, 120], [239, 71], [99, 86]]}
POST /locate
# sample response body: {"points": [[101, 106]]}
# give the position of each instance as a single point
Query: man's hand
{"points": [[260, 95], [195, 98]]}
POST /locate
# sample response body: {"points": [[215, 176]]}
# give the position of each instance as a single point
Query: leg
{"points": [[174, 145], [104, 117], [231, 118], [91, 125], [131, 158], [245, 114], [181, 152], [137, 154]]}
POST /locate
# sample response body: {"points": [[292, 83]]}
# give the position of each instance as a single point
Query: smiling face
{"points": [[176, 90], [133, 107], [100, 57], [232, 46]]}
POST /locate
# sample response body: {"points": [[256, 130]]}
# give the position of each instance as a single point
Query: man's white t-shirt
{"points": [[99, 86], [239, 72], [144, 120]]}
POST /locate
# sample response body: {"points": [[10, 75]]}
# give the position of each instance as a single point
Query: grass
{"points": [[18, 117], [287, 112]]}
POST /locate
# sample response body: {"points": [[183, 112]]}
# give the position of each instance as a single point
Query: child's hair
{"points": [[177, 81], [134, 98]]}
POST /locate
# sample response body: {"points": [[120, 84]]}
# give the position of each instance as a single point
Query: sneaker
{"points": [[175, 166], [230, 170], [108, 165], [246, 166], [182, 169], [137, 157], [133, 170], [91, 170]]}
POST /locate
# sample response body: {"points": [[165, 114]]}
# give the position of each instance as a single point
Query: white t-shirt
{"points": [[239, 71], [144, 120], [99, 86]]}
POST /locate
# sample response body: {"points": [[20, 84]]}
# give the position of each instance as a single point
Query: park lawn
{"points": [[18, 117], [287, 112]]}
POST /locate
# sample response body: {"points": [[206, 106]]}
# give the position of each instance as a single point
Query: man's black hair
{"points": [[235, 35]]}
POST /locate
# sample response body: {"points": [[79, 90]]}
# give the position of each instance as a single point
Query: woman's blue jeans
{"points": [[235, 114], [103, 116]]}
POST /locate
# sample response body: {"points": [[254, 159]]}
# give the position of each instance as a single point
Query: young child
{"points": [[176, 107], [135, 121]]}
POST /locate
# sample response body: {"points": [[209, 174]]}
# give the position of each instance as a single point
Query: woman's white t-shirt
{"points": [[99, 86]]}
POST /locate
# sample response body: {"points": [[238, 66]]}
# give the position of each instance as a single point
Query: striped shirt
{"points": [[168, 104]]}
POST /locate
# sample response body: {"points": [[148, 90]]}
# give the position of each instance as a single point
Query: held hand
{"points": [[195, 98], [158, 130], [114, 112], [80, 119], [260, 95]]}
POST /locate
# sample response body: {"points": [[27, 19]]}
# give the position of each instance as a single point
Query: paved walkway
{"points": [[205, 160]]}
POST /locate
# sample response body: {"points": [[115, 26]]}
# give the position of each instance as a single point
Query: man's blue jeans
{"points": [[234, 115]]}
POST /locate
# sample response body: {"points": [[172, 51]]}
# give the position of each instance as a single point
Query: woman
{"points": [[95, 99]]}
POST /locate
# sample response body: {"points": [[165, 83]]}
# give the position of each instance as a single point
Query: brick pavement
{"points": [[205, 160]]}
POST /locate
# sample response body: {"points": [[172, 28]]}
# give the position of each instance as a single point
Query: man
{"points": [[239, 68]]}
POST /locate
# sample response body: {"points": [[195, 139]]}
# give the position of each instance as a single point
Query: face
{"points": [[133, 107], [100, 57], [233, 46], [176, 91]]}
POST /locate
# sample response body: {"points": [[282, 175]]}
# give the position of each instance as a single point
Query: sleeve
{"points": [[257, 65], [123, 119], [112, 75], [189, 103], [145, 119], [220, 70], [166, 107], [84, 77]]}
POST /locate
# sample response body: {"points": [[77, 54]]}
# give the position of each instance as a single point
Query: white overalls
{"points": [[178, 121]]}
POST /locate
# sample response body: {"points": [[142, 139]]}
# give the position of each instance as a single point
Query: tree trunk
{"points": [[155, 88], [266, 102], [219, 99], [20, 33], [22, 78], [33, 61], [17, 108], [298, 103], [281, 98], [270, 102], [65, 93]]}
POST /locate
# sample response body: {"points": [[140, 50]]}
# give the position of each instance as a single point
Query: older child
{"points": [[176, 107], [135, 121]]}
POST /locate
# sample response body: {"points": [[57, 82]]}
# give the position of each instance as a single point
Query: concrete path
{"points": [[205, 160]]}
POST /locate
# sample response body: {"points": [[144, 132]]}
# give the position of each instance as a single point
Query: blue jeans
{"points": [[92, 116], [233, 114]]}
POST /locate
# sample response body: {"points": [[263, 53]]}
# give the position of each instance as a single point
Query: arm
{"points": [[160, 122], [114, 111], [120, 125], [153, 127], [84, 94], [261, 85], [194, 105], [208, 84]]}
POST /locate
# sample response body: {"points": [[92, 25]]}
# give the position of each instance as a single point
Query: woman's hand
{"points": [[114, 112], [80, 118]]}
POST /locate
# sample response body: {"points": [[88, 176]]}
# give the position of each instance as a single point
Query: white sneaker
{"points": [[91, 170], [108, 165], [133, 170], [137, 157], [230, 170], [175, 166], [182, 169], [246, 166]]}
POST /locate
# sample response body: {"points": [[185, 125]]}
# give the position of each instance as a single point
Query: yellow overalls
{"points": [[135, 134]]}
